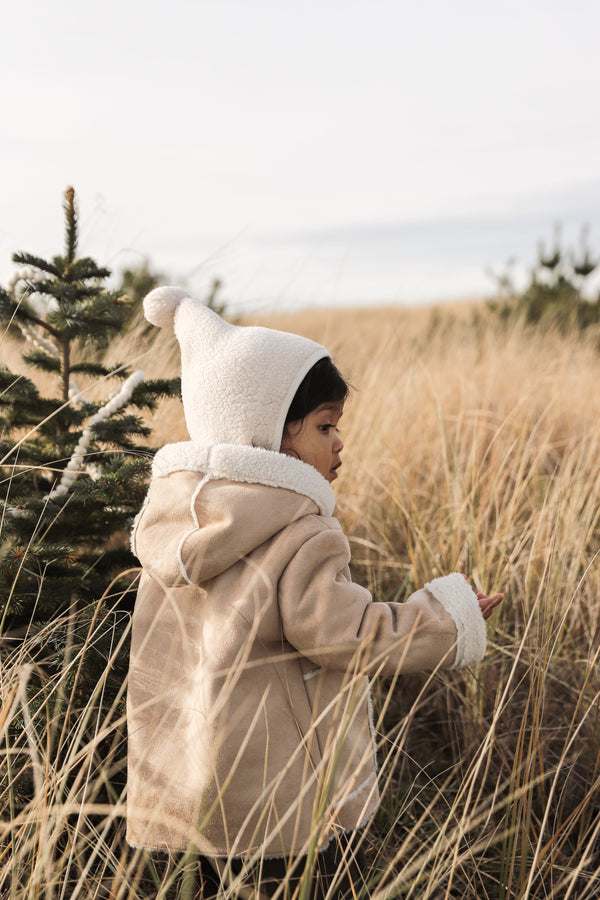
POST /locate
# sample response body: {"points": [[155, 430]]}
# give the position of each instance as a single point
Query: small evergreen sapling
{"points": [[73, 471]]}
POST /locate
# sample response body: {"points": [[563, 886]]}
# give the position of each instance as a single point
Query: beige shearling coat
{"points": [[248, 705]]}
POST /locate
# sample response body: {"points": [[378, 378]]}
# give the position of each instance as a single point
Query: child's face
{"points": [[316, 440]]}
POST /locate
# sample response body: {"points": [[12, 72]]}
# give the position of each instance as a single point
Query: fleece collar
{"points": [[249, 465]]}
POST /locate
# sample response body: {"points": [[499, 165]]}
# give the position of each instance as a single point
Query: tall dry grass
{"points": [[469, 447]]}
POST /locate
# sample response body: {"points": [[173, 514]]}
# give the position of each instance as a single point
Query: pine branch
{"points": [[117, 431], [24, 314], [18, 309], [16, 386], [86, 268], [66, 367], [43, 361], [28, 259], [7, 307], [95, 316], [65, 291], [165, 387], [90, 368]]}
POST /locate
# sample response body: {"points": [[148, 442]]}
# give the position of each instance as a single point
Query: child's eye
{"points": [[325, 428]]}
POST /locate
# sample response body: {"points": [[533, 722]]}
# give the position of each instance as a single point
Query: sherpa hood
{"points": [[237, 386], [237, 382]]}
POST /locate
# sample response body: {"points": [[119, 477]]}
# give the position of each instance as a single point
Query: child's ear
{"points": [[289, 451], [290, 431]]}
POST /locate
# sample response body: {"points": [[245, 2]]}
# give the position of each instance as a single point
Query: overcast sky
{"points": [[322, 152]]}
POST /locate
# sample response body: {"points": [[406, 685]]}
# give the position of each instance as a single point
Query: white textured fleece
{"points": [[458, 598], [249, 465], [237, 382]]}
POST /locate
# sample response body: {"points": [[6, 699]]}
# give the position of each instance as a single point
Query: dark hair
{"points": [[322, 384]]}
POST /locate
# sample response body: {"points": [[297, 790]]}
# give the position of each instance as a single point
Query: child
{"points": [[250, 729]]}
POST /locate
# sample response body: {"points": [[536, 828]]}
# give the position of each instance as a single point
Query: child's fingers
{"points": [[489, 604]]}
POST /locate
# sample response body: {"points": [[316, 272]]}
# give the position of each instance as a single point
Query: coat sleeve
{"points": [[337, 625]]}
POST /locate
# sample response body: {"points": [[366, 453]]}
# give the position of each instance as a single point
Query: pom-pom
{"points": [[161, 303]]}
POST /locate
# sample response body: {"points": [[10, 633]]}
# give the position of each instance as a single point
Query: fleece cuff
{"points": [[458, 598]]}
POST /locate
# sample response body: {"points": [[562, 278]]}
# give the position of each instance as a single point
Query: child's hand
{"points": [[487, 605]]}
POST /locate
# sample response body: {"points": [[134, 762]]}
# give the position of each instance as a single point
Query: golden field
{"points": [[472, 447]]}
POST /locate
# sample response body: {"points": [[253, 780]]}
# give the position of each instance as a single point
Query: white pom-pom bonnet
{"points": [[237, 382]]}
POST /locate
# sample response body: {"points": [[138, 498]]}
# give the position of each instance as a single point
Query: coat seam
{"points": [[189, 533]]}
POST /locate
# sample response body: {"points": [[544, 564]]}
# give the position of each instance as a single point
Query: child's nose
{"points": [[338, 444]]}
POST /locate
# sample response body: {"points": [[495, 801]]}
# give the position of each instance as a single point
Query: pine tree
{"points": [[73, 471], [558, 291]]}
